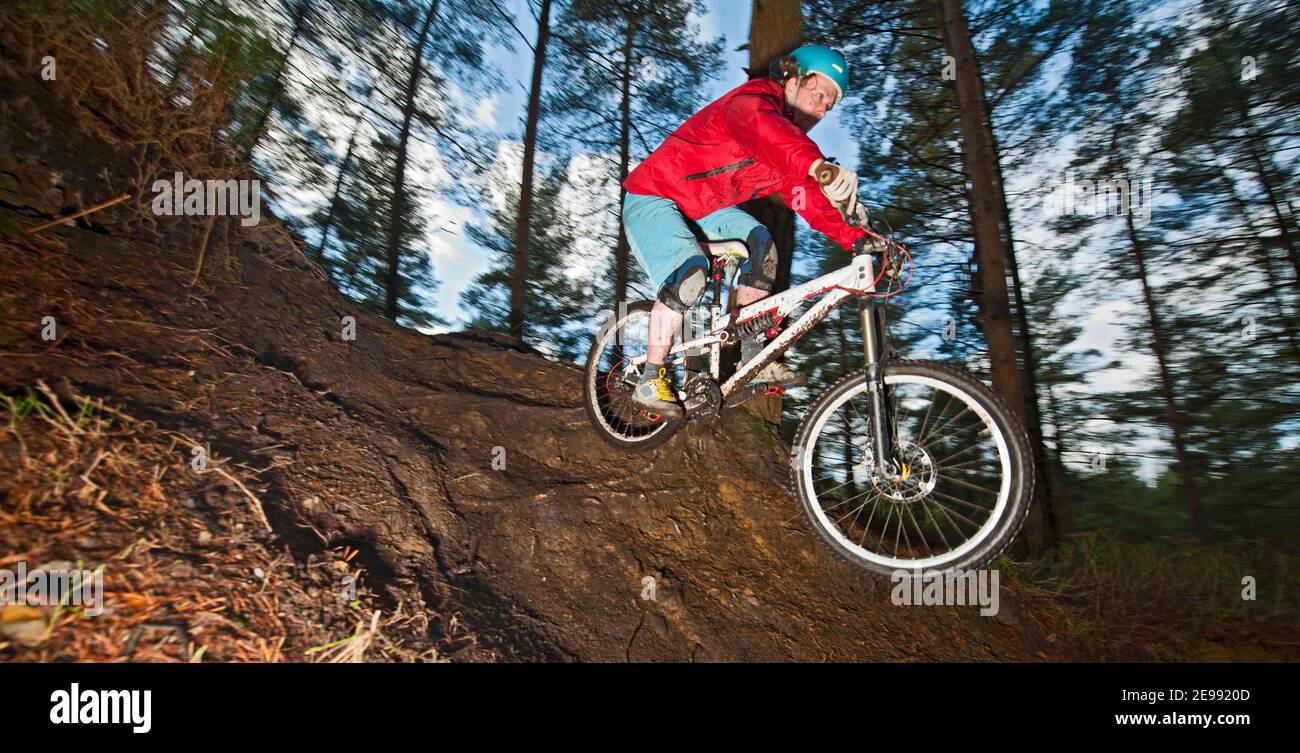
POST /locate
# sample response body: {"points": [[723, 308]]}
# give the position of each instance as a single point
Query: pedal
{"points": [[690, 404], [774, 390], [703, 398]]}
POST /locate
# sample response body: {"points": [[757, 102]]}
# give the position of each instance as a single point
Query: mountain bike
{"points": [[899, 465]]}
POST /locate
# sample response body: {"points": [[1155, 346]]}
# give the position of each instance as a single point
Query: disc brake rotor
{"points": [[913, 481]]}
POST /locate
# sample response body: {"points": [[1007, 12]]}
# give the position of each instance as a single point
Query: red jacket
{"points": [[739, 147]]}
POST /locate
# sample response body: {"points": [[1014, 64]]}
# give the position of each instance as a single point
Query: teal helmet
{"points": [[816, 58]]}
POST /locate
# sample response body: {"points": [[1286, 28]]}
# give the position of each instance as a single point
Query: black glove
{"points": [[869, 244]]}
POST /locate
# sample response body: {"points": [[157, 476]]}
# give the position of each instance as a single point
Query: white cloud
{"points": [[589, 190], [485, 114]]}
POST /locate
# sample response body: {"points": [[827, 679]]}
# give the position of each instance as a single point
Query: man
{"points": [[748, 143]]}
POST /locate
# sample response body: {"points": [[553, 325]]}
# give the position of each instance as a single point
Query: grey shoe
{"points": [[658, 397]]}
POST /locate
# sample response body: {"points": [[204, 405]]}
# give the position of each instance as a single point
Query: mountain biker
{"points": [[750, 142]]}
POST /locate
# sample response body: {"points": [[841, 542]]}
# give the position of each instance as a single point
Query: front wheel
{"points": [[962, 488]]}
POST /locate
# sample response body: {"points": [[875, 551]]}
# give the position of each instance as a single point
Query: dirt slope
{"points": [[386, 444]]}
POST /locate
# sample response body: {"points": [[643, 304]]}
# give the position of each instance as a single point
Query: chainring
{"points": [[703, 397]]}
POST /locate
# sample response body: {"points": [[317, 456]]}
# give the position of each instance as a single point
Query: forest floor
{"points": [[327, 459]]}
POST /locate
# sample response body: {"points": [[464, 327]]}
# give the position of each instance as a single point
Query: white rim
{"points": [[980, 536]]}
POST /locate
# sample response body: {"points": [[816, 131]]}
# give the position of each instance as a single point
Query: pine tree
{"points": [[626, 74], [556, 309]]}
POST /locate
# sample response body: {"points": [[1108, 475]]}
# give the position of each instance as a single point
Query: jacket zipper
{"points": [[723, 169]]}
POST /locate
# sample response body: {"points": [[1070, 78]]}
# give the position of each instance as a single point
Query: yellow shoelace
{"points": [[663, 390]]}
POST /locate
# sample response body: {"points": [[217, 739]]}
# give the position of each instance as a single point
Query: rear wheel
{"points": [[958, 502], [609, 381]]}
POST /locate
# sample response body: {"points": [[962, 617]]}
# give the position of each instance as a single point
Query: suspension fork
{"points": [[876, 351]]}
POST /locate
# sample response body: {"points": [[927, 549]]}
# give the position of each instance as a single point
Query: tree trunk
{"points": [[987, 208], [624, 157], [1264, 258], [299, 20], [338, 189], [399, 171], [1065, 513], [1262, 171], [1191, 498], [1044, 498], [1274, 204], [978, 161], [775, 28], [519, 277]]}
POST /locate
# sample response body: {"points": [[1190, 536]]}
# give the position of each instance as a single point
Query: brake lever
{"points": [[863, 219], [859, 218]]}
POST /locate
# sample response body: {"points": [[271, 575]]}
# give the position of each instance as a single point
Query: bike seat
{"points": [[726, 248]]}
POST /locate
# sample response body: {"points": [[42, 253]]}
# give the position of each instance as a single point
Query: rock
{"points": [[21, 623]]}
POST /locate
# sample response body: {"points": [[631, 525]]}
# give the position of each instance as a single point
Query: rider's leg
{"points": [[678, 293], [667, 250], [664, 323], [758, 272]]}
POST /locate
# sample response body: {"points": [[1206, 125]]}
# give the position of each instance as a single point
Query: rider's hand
{"points": [[869, 244], [839, 185]]}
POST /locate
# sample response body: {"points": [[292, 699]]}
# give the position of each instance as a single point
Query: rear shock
{"points": [[760, 323]]}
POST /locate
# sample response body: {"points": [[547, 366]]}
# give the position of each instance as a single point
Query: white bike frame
{"points": [[855, 279]]}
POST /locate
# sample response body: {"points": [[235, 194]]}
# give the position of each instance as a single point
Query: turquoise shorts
{"points": [[662, 241]]}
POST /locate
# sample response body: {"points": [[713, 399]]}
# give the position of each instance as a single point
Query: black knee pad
{"points": [[759, 270], [684, 287]]}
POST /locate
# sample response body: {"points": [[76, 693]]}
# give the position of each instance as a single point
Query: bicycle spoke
{"points": [[920, 533], [955, 527], [967, 484], [900, 528], [875, 502], [858, 508], [833, 488], [962, 464], [962, 451], [938, 493], [884, 526], [958, 415], [937, 527], [952, 434], [931, 408]]}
